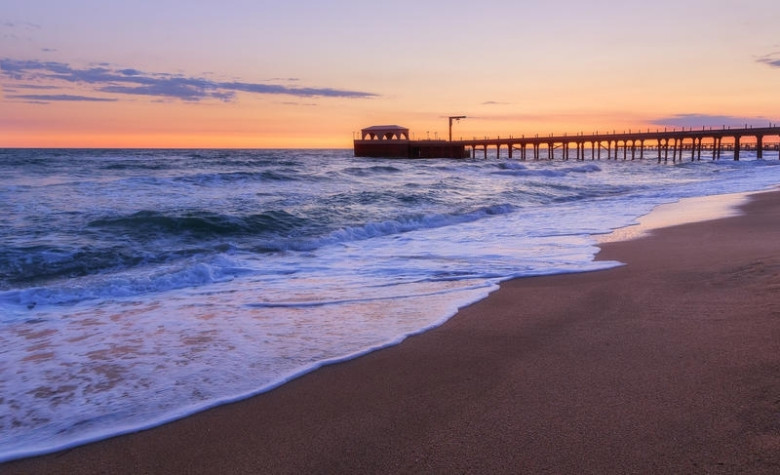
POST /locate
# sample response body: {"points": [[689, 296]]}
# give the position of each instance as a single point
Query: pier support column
{"points": [[679, 149], [666, 150], [760, 146], [693, 149], [698, 149], [736, 148], [718, 146]]}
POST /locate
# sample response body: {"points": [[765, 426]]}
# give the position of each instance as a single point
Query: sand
{"points": [[670, 364]]}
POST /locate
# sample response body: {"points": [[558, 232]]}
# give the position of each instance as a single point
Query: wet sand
{"points": [[670, 364]]}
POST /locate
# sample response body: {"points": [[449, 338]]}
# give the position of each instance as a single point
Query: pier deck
{"points": [[675, 145], [670, 144]]}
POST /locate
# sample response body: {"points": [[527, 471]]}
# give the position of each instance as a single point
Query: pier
{"points": [[662, 145]]}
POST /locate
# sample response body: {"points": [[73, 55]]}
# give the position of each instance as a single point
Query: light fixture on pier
{"points": [[456, 118]]}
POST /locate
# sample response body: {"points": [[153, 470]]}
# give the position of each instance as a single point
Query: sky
{"points": [[311, 74]]}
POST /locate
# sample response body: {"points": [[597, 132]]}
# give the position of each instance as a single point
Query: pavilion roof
{"points": [[377, 128]]}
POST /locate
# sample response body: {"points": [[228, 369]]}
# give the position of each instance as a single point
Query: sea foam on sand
{"points": [[684, 211]]}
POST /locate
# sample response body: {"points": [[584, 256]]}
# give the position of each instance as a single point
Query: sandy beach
{"points": [[669, 364]]}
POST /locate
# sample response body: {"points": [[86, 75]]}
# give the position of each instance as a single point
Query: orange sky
{"points": [[292, 74]]}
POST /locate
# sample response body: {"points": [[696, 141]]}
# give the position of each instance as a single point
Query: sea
{"points": [[141, 286]]}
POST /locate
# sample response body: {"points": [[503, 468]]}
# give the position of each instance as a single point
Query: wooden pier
{"points": [[675, 145]]}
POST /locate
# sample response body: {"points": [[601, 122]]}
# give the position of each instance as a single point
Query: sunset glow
{"points": [[264, 74]]}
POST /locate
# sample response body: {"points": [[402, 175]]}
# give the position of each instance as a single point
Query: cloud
{"points": [[23, 25], [495, 103], [170, 89], [104, 78], [771, 59], [45, 98], [34, 86], [302, 104], [17, 31], [706, 120]]}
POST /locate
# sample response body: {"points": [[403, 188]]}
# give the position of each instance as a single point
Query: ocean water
{"points": [[140, 286]]}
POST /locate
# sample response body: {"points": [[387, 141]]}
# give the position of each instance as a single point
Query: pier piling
{"points": [[393, 141], [669, 144]]}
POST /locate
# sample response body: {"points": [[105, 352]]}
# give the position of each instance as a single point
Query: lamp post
{"points": [[456, 118]]}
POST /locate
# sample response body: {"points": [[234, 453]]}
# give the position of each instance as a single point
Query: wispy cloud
{"points": [[495, 103], [771, 59], [303, 104], [25, 25], [105, 79], [33, 86], [715, 121], [17, 31], [59, 97]]}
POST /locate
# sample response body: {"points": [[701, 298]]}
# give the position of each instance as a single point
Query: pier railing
{"points": [[669, 144]]}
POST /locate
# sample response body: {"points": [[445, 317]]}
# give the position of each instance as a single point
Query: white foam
{"points": [[142, 363], [686, 210], [128, 283]]}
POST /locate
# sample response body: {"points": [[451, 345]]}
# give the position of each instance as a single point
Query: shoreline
{"points": [[513, 381], [685, 211]]}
